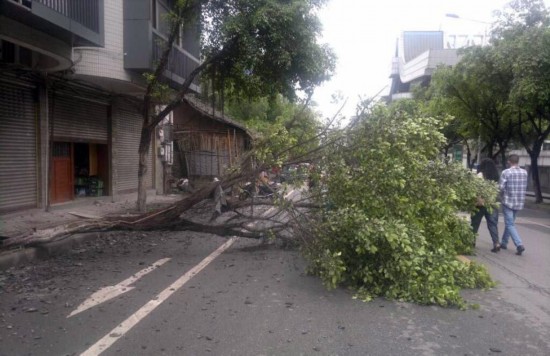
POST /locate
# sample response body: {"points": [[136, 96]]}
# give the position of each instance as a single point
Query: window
{"points": [[154, 13], [159, 17], [7, 52]]}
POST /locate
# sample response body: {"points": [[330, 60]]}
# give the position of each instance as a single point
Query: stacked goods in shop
{"points": [[95, 186]]}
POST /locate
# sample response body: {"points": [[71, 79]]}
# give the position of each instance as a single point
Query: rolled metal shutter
{"points": [[18, 148], [126, 136], [75, 119]]}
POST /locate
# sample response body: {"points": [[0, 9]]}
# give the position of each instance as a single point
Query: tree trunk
{"points": [[534, 154], [168, 218], [159, 219], [446, 153], [503, 158], [144, 145], [468, 155]]}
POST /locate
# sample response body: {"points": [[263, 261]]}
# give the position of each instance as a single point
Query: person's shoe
{"points": [[496, 248], [503, 247], [520, 250]]}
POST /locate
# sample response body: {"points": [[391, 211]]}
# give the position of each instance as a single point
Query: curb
{"points": [[534, 206], [25, 255]]}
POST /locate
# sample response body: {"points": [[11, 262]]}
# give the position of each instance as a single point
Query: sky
{"points": [[363, 34]]}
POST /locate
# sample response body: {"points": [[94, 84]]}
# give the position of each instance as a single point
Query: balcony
{"points": [[145, 39], [41, 33], [77, 23], [180, 63]]}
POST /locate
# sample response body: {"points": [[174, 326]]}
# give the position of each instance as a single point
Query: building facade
{"points": [[417, 55], [71, 82]]}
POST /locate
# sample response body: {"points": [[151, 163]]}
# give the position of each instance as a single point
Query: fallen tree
{"points": [[170, 218], [278, 143], [390, 226], [381, 216]]}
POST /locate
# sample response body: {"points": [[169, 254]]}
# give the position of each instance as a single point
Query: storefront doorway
{"points": [[79, 170], [61, 184]]}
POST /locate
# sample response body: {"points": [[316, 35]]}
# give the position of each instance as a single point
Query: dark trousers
{"points": [[492, 221]]}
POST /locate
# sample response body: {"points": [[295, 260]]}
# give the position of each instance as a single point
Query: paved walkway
{"points": [[13, 224], [530, 202], [23, 222]]}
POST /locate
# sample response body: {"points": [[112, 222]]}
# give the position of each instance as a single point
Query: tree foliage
{"points": [[286, 130], [522, 45], [253, 48], [271, 46], [476, 92], [389, 226], [501, 92]]}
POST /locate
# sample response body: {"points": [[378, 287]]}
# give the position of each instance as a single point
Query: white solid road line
{"points": [[110, 292], [115, 334]]}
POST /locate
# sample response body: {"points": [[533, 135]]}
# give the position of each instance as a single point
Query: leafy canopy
{"points": [[476, 92], [286, 130], [268, 46]]}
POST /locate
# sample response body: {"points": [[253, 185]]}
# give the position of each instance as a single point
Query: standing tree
{"points": [[523, 48], [434, 106], [476, 92], [258, 47], [292, 126]]}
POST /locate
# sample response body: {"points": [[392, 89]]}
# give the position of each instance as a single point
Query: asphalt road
{"points": [[523, 290], [196, 294]]}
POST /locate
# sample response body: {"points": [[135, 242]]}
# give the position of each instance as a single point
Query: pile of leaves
{"points": [[389, 225]]}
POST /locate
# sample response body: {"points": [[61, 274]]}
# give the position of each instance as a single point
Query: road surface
{"points": [[197, 294]]}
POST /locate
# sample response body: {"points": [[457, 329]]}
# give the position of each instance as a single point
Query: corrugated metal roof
{"points": [[207, 110]]}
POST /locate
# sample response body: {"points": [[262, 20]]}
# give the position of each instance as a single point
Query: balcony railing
{"points": [[180, 62], [85, 13]]}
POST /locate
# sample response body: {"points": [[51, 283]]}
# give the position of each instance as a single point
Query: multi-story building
{"points": [[417, 55], [71, 77]]}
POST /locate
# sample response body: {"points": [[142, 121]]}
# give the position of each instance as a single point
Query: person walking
{"points": [[513, 184], [489, 171]]}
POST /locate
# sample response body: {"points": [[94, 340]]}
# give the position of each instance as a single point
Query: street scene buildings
{"points": [[418, 54], [70, 103], [229, 269]]}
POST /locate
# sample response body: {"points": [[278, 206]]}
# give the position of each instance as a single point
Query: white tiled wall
{"points": [[108, 61]]}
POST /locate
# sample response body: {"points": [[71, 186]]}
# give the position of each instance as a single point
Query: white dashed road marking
{"points": [[118, 332], [110, 292]]}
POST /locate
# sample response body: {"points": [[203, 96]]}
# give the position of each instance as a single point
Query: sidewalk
{"points": [[25, 221], [530, 202]]}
